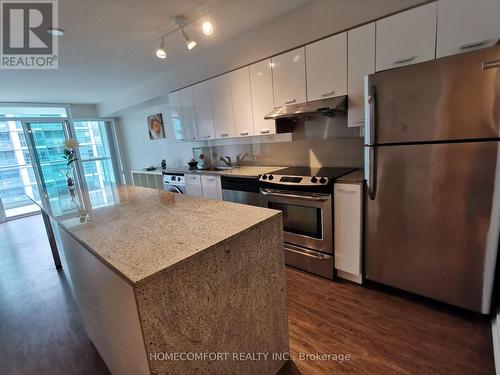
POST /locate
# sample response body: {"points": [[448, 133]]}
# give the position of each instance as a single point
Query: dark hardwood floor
{"points": [[40, 328], [384, 333]]}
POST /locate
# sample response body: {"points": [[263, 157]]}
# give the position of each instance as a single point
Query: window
{"points": [[16, 112], [95, 157], [46, 138], [16, 172]]}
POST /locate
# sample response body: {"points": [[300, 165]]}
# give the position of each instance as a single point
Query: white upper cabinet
{"points": [[464, 25], [406, 38], [242, 102], [203, 110], [175, 105], [289, 77], [326, 67], [222, 103], [261, 85], [188, 114], [361, 58]]}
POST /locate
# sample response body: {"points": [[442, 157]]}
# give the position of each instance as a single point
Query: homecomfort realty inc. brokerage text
{"points": [[243, 356]]}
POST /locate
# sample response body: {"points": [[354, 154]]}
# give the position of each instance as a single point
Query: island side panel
{"points": [[229, 299], [108, 309]]}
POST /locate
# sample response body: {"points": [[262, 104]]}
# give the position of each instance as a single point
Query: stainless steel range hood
{"points": [[331, 107]]}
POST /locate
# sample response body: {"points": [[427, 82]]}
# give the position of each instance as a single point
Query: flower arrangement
{"points": [[70, 146]]}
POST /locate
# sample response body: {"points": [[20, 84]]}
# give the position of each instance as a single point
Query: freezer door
{"points": [[452, 98], [432, 226]]}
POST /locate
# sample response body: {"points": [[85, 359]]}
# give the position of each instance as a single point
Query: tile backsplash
{"points": [[321, 143]]}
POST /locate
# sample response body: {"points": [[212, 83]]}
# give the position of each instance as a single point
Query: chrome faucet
{"points": [[226, 160], [240, 158]]}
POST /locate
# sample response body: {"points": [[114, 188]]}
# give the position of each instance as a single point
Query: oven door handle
{"points": [[308, 253], [323, 198]]}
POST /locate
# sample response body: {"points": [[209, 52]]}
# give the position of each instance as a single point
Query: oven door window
{"points": [[306, 221]]}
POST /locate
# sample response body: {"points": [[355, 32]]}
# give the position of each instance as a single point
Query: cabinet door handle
{"points": [[290, 101], [362, 121], [264, 131], [474, 44], [328, 94], [348, 191], [405, 59], [224, 134], [491, 65], [243, 133]]}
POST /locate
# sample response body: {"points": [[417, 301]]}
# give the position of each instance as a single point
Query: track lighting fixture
{"points": [[161, 53], [189, 41], [181, 22], [207, 28]]}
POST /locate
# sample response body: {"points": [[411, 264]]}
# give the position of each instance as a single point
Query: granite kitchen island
{"points": [[170, 284]]}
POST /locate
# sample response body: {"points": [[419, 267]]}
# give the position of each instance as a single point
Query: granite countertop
{"points": [[156, 171], [147, 231], [355, 177], [239, 171]]}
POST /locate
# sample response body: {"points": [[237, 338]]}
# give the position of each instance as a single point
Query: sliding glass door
{"points": [[31, 163], [46, 140]]}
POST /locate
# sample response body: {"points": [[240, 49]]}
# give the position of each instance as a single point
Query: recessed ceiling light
{"points": [[161, 53], [56, 32], [207, 28]]}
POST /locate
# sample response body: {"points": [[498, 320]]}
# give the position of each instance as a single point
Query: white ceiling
{"points": [[109, 44]]}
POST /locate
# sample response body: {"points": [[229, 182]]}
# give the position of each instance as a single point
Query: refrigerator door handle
{"points": [[370, 105], [370, 170]]}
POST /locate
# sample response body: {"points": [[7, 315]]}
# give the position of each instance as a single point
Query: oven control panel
{"points": [[294, 180]]}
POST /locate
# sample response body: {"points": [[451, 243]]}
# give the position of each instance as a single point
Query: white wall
{"points": [[138, 151], [314, 20], [83, 111]]}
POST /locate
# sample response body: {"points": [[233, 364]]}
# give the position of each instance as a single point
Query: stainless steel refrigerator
{"points": [[432, 164]]}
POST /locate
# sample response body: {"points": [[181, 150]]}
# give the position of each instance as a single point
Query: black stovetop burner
{"points": [[331, 172]]}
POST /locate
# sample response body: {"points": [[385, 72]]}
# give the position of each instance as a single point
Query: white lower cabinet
{"points": [[193, 185], [206, 186], [211, 187], [348, 231]]}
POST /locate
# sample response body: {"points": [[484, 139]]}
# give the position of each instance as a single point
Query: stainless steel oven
{"points": [[307, 228], [305, 197], [307, 217]]}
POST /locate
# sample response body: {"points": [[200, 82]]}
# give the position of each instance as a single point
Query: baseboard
{"points": [[495, 328], [358, 279]]}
